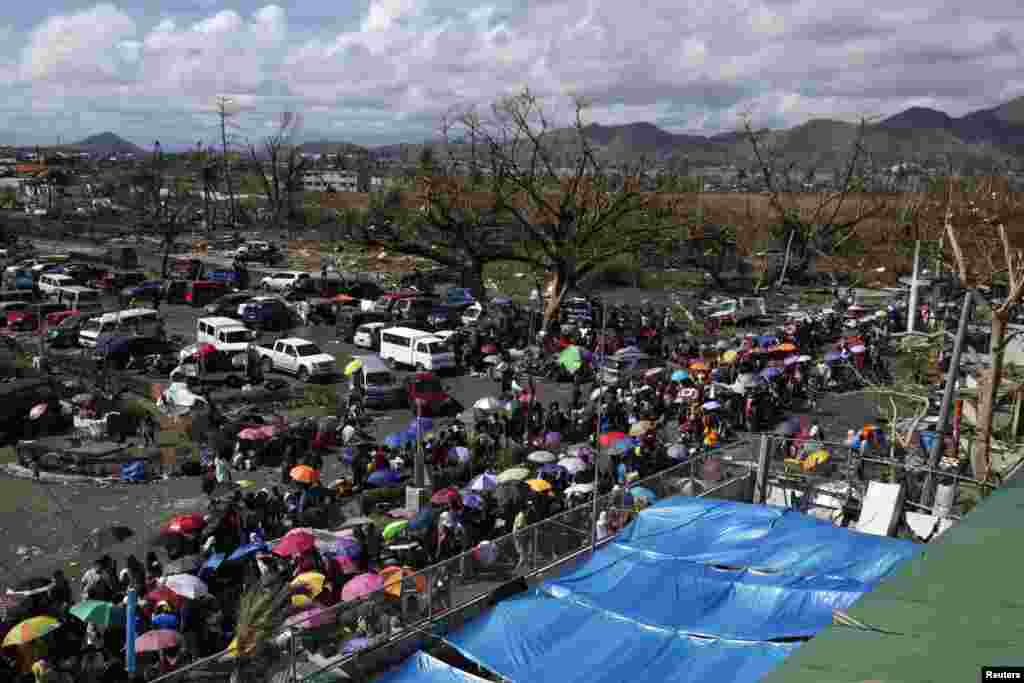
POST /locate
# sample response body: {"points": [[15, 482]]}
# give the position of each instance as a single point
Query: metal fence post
{"points": [[761, 487], [430, 594], [536, 548], [291, 647]]}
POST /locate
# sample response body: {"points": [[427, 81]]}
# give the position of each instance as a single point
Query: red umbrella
{"points": [[204, 349], [488, 348], [186, 524], [295, 543], [165, 594], [611, 437], [445, 496]]}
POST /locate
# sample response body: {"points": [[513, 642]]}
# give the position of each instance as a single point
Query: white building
{"points": [[326, 181]]}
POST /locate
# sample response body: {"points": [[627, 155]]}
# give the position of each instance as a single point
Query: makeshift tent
{"points": [[422, 668], [692, 590]]}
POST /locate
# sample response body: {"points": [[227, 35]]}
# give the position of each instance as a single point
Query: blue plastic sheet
{"points": [[693, 590], [422, 668]]}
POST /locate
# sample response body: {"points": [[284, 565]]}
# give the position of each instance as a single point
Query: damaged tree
{"points": [[820, 228], [166, 208], [282, 173], [572, 219]]}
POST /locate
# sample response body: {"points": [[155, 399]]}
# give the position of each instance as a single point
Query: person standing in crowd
{"points": [[520, 539]]}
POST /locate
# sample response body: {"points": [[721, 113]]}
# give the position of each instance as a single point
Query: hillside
{"points": [[106, 144]]}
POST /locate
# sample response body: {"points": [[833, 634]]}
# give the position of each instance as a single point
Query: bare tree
{"points": [[227, 111], [572, 220], [282, 173], [821, 227], [165, 206]]}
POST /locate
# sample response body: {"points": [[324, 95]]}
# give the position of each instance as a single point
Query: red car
{"points": [[427, 396]]}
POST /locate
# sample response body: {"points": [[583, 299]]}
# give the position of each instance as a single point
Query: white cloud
{"points": [[79, 48]]}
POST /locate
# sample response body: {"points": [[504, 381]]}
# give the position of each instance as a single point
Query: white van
{"points": [[81, 299], [415, 348], [225, 334], [367, 335], [51, 283], [127, 321]]}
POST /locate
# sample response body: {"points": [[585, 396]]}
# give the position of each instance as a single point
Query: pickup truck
{"points": [[300, 357], [736, 311]]}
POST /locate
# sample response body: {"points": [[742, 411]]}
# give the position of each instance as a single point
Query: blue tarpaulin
{"points": [[422, 668], [693, 590]]}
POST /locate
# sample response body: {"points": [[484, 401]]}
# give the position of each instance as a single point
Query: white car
{"points": [[283, 280], [299, 357], [367, 335]]}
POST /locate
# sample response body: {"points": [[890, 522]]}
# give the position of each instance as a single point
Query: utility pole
{"points": [[600, 416], [223, 104], [912, 304], [928, 495]]}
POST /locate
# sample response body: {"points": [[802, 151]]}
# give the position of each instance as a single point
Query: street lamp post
{"points": [[600, 416]]}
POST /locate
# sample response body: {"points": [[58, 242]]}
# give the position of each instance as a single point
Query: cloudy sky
{"points": [[380, 71]]}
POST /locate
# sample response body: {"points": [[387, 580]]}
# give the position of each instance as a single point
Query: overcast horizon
{"points": [[385, 71]]}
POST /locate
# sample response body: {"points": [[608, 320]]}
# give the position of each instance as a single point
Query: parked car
{"points": [[299, 357], [122, 352], [350, 319], [201, 292], [381, 389], [283, 280], [230, 305], [267, 313], [143, 291], [426, 395], [367, 336]]}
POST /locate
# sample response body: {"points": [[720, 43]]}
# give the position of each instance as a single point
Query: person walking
{"points": [[520, 539]]}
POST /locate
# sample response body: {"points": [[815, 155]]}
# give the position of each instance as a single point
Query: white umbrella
{"points": [[859, 348], [541, 457], [596, 393], [803, 359], [487, 403], [579, 488], [572, 465], [186, 585], [514, 474]]}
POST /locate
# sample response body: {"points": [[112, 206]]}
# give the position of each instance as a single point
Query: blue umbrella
{"points": [[832, 356], [247, 550], [483, 482], [423, 519], [398, 439], [425, 424], [769, 373], [643, 492], [767, 340], [472, 500], [553, 469], [383, 478], [348, 455], [680, 375], [165, 620], [354, 645], [500, 300], [212, 563]]}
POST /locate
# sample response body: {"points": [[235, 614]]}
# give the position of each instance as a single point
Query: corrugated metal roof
{"points": [[955, 608]]}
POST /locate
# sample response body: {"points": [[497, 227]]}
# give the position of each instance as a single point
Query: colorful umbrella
{"points": [[394, 529], [514, 474], [677, 452], [165, 594], [771, 373], [313, 617], [311, 584], [711, 405], [186, 585], [570, 358], [29, 630], [679, 375], [698, 366], [393, 580], [539, 485], [346, 546], [186, 524], [541, 457], [360, 586], [418, 425], [488, 348], [156, 640], [304, 474], [295, 543], [484, 482], [165, 620], [785, 347], [445, 496], [790, 360], [859, 348], [572, 464], [253, 434], [459, 454], [730, 356], [641, 427], [352, 366], [244, 551], [99, 612], [642, 492], [398, 439], [472, 500], [552, 439], [382, 478], [38, 410], [610, 438]]}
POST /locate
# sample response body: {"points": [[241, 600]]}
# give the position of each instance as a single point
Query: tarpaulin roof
{"points": [[693, 590], [422, 668]]}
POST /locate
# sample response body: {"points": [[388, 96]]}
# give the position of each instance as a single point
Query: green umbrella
{"points": [[570, 358], [393, 529], [101, 613]]}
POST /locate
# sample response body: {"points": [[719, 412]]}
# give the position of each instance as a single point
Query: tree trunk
{"points": [[988, 390], [554, 290]]}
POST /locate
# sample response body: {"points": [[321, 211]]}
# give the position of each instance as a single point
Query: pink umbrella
{"points": [[253, 434], [311, 618], [295, 543], [553, 439], [204, 349], [37, 411], [160, 639], [359, 586], [345, 564]]}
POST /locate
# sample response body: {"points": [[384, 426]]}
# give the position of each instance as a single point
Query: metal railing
{"points": [[337, 636]]}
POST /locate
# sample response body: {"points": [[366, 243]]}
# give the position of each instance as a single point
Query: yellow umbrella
{"points": [[313, 583], [245, 483], [539, 485], [641, 427], [698, 366], [814, 459], [29, 630], [352, 366], [729, 357]]}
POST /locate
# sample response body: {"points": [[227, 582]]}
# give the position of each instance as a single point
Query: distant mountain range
{"points": [[926, 136]]}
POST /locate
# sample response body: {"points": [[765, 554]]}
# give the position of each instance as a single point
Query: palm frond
{"points": [[261, 616]]}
